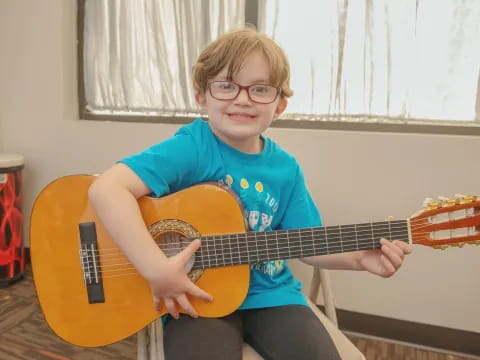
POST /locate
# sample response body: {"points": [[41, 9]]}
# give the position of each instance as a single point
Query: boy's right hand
{"points": [[171, 283]]}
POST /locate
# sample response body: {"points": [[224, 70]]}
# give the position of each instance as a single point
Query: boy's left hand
{"points": [[386, 260]]}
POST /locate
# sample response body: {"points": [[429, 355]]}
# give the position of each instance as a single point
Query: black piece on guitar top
{"points": [[91, 268]]}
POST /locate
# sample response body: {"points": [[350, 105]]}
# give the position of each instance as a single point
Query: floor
{"points": [[24, 335]]}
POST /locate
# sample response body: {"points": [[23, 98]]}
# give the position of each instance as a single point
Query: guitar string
{"points": [[344, 244], [357, 230], [323, 229], [209, 244], [108, 273], [256, 236], [293, 250], [243, 257]]}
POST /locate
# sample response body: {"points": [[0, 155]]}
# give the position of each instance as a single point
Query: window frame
{"points": [[359, 122]]}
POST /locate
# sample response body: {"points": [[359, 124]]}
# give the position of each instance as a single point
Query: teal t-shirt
{"points": [[270, 185]]}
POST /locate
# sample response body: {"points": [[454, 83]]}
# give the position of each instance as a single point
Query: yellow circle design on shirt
{"points": [[259, 186], [244, 184], [229, 180]]}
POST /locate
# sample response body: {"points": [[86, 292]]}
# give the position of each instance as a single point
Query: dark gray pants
{"points": [[277, 333]]}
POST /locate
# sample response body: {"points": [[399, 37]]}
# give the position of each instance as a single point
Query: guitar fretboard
{"points": [[254, 247]]}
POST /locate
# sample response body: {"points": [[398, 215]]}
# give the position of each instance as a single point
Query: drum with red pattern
{"points": [[12, 253]]}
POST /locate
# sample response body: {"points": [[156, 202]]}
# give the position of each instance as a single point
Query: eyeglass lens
{"points": [[226, 90]]}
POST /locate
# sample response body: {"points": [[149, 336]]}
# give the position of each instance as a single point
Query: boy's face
{"points": [[240, 121]]}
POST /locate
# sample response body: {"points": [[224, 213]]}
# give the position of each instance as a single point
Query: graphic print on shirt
{"points": [[261, 207]]}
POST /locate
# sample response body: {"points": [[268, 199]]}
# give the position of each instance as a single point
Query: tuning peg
{"points": [[447, 201], [426, 202], [465, 199], [470, 198], [440, 247], [430, 204], [389, 218]]}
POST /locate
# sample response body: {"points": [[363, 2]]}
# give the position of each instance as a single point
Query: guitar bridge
{"points": [[92, 274]]}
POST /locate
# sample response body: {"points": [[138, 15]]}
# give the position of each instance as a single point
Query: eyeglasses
{"points": [[229, 90]]}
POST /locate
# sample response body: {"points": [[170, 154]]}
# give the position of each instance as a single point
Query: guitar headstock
{"points": [[447, 222]]}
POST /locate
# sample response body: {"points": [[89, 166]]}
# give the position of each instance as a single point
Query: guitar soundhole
{"points": [[171, 242], [171, 236]]}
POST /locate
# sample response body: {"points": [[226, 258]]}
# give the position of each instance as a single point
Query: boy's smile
{"points": [[242, 117], [239, 122]]}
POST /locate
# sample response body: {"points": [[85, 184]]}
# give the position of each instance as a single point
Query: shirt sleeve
{"points": [[168, 166], [301, 211]]}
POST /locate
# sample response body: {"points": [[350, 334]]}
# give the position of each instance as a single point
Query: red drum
{"points": [[12, 252]]}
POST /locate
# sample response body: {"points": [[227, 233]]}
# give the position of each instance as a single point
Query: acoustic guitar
{"points": [[91, 295]]}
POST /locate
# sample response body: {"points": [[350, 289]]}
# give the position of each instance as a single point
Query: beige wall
{"points": [[353, 176]]}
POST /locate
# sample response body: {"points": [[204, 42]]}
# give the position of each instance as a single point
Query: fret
{"points": [[365, 235], [312, 242], [234, 255], [228, 252], [307, 242], [341, 240], [400, 230], [215, 251], [266, 255], [294, 243], [320, 246], [355, 229], [349, 237], [288, 247], [373, 236], [283, 245], [243, 249], [326, 239], [333, 237], [380, 231], [261, 245], [225, 250], [252, 255], [210, 251], [300, 242], [276, 241], [240, 253]]}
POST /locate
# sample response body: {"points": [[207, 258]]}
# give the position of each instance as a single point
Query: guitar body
{"points": [[58, 271], [91, 295]]}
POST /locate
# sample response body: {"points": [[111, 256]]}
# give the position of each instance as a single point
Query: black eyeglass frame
{"points": [[240, 88]]}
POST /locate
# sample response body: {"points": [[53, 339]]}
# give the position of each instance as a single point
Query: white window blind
{"points": [[395, 59], [138, 55], [386, 60]]}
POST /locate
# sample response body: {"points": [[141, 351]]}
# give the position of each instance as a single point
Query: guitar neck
{"points": [[254, 247]]}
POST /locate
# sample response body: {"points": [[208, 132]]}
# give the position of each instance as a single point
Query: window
{"points": [[364, 65], [138, 55]]}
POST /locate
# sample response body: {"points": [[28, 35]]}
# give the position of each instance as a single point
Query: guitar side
{"points": [[127, 307]]}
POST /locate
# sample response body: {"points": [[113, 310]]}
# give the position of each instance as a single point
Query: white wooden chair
{"points": [[150, 339]]}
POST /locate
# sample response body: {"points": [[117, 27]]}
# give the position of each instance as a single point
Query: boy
{"points": [[241, 82]]}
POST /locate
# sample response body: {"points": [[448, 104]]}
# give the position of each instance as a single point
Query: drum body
{"points": [[12, 251]]}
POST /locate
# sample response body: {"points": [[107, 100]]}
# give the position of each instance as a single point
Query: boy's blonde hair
{"points": [[231, 49]]}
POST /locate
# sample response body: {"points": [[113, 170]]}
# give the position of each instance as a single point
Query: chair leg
{"points": [[142, 336], [321, 277], [314, 285], [150, 342]]}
